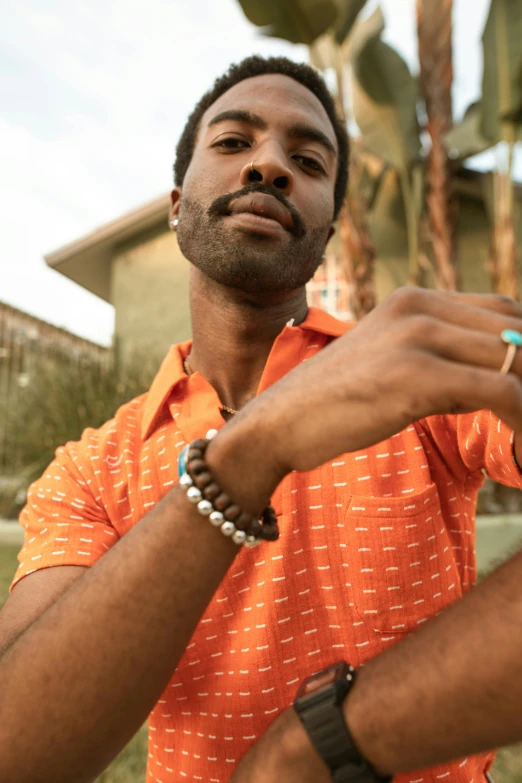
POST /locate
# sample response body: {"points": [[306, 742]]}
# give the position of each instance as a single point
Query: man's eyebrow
{"points": [[303, 131], [239, 115]]}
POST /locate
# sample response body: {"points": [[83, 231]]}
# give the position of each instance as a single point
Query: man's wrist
{"points": [[369, 744], [296, 747], [243, 463]]}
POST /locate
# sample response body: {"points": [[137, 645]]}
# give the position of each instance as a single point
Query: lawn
{"points": [[129, 766]]}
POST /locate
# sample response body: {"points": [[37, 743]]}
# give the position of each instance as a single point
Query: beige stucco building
{"points": [[135, 263]]}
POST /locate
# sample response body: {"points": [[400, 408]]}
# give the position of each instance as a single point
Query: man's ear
{"points": [[175, 199]]}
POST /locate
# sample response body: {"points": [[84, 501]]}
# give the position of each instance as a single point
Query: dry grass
{"points": [[60, 401]]}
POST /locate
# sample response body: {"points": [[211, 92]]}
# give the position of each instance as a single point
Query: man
{"points": [[370, 446]]}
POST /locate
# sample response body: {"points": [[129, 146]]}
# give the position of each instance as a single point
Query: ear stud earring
{"points": [[174, 223]]}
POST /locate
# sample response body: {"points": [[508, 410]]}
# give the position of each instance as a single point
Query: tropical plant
{"points": [[297, 21], [375, 85], [496, 121], [434, 33], [385, 109], [501, 124]]}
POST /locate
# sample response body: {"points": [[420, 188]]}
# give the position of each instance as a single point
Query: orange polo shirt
{"points": [[372, 544]]}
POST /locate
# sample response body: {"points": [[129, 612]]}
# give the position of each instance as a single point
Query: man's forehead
{"points": [[270, 94]]}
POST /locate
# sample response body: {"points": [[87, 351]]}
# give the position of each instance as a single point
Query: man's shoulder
{"points": [[115, 434]]}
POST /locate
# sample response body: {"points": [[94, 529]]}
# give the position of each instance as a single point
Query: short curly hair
{"points": [[259, 66]]}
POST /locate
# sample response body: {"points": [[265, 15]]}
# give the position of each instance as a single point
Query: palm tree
{"points": [[434, 25], [501, 124]]}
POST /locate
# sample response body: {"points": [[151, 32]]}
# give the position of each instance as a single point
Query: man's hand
{"points": [[417, 354], [284, 753]]}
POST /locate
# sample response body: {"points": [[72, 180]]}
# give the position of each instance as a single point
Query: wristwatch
{"points": [[319, 706]]}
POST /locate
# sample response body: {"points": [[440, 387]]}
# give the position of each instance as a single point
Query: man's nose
{"points": [[270, 167]]}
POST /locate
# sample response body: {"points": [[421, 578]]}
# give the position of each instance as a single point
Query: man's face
{"points": [[257, 202]]}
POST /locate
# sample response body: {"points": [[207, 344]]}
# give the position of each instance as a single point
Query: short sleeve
{"points": [[64, 523], [479, 442]]}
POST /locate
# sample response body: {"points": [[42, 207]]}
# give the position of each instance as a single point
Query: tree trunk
{"points": [[357, 251], [504, 257], [434, 23], [504, 251]]}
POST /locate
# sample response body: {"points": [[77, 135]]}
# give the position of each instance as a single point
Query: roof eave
{"points": [[86, 261]]}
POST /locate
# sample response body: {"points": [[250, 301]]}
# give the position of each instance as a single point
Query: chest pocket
{"points": [[401, 563]]}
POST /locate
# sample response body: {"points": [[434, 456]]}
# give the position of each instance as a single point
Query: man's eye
{"points": [[309, 163], [231, 143]]}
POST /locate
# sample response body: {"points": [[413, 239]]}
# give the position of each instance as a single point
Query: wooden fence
{"points": [[25, 339]]}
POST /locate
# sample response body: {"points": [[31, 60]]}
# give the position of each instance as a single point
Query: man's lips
{"points": [[264, 206]]}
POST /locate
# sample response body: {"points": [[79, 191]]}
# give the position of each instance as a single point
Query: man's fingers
{"points": [[488, 312], [467, 346], [467, 388], [499, 303], [481, 313]]}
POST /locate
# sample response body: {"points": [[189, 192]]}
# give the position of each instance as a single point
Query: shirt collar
{"points": [[171, 372]]}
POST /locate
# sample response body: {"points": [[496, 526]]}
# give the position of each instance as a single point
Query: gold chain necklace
{"points": [[189, 371]]}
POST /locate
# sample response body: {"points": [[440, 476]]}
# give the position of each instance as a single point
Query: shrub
{"points": [[61, 398]]}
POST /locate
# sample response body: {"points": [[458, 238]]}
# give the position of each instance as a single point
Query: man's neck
{"points": [[233, 334]]}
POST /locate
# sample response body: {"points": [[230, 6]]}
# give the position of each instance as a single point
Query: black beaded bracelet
{"points": [[202, 489]]}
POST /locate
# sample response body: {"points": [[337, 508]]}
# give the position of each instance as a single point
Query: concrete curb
{"points": [[498, 537], [11, 532]]}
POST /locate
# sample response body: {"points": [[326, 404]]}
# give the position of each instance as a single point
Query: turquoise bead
{"points": [[182, 460], [511, 337]]}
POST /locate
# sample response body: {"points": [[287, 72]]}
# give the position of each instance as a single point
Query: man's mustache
{"points": [[221, 206]]}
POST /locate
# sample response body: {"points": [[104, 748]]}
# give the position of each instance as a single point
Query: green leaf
{"points": [[465, 139], [502, 80], [384, 101], [349, 10], [297, 21]]}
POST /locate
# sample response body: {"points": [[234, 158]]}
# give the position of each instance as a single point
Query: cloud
{"points": [[94, 97]]}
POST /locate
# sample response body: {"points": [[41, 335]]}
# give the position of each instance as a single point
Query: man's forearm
{"points": [[82, 679], [450, 690]]}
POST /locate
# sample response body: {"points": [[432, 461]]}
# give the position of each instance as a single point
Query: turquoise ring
{"points": [[513, 341]]}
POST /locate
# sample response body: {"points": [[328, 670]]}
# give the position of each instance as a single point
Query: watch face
{"points": [[321, 681]]}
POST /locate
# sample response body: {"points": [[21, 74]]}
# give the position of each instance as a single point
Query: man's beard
{"points": [[251, 263]]}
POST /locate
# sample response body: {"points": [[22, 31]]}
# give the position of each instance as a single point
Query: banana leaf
{"points": [[385, 100], [297, 21], [465, 139], [349, 10], [502, 81]]}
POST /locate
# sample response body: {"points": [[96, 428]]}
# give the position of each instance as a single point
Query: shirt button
{"points": [[211, 434]]}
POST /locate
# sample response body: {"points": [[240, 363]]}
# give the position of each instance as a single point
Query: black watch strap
{"points": [[319, 706], [335, 745]]}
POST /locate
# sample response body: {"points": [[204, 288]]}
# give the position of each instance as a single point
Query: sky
{"points": [[93, 97]]}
